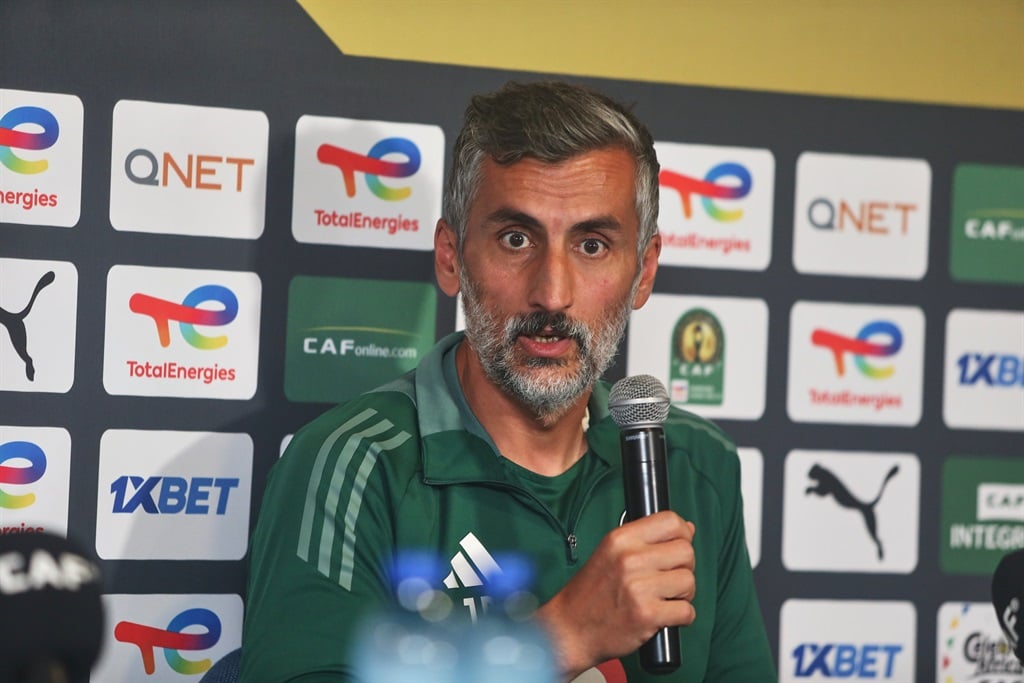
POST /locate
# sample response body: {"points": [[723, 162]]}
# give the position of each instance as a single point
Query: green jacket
{"points": [[400, 468]]}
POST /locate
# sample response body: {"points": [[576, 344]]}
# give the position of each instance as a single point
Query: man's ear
{"points": [[648, 269], [446, 258]]}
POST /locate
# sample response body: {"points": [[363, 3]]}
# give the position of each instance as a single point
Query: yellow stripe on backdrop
{"points": [[961, 52]]}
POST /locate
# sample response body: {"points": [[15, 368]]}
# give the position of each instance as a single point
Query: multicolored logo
{"points": [[173, 639], [374, 166], [697, 362], [861, 346], [11, 137], [19, 476], [188, 314], [708, 189]]}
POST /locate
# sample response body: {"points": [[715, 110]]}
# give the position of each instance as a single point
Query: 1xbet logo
{"points": [[13, 138], [861, 346], [188, 314], [709, 189], [173, 639], [373, 165], [19, 476], [173, 494], [991, 369]]}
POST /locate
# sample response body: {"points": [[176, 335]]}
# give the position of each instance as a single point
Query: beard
{"points": [[547, 386]]}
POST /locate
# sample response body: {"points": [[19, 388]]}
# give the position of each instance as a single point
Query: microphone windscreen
{"points": [[1007, 594], [638, 400], [50, 606]]}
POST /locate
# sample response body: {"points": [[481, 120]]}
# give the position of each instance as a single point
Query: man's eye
{"points": [[515, 240], [593, 247]]}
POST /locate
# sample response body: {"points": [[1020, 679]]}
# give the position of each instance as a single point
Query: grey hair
{"points": [[552, 122]]}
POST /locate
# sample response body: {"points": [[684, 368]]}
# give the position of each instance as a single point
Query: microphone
{"points": [[52, 624], [1007, 595], [639, 406]]}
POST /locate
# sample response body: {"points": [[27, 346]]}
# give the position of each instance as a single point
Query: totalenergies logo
{"points": [[374, 166], [19, 476], [710, 189], [863, 346], [173, 639], [13, 138], [188, 314]]}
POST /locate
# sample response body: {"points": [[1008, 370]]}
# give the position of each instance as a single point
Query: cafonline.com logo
{"points": [[373, 165], [188, 314], [16, 133], [173, 640]]}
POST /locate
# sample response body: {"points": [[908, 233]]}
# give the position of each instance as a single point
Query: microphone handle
{"points": [[645, 481]]}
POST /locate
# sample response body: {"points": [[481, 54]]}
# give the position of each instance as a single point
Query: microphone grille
{"points": [[638, 400]]}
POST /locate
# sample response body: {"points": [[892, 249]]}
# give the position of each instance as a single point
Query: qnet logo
{"points": [[40, 158], [159, 638], [983, 386], [716, 205], [187, 170], [35, 474], [884, 345], [861, 216], [367, 183], [215, 351]]}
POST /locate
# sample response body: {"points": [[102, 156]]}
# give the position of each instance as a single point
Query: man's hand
{"points": [[639, 579]]}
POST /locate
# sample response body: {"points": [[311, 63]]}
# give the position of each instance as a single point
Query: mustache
{"points": [[539, 323]]}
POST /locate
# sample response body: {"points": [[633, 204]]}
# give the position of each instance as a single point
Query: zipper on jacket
{"points": [[571, 544]]}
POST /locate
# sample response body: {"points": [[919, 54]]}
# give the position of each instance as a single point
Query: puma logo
{"points": [[15, 324], [828, 484]]}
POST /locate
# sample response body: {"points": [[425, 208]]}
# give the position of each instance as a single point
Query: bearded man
{"points": [[500, 443]]}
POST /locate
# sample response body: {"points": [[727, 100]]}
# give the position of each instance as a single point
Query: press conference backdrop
{"points": [[208, 236]]}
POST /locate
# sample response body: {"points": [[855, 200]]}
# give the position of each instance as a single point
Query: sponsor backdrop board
{"points": [[217, 225]]}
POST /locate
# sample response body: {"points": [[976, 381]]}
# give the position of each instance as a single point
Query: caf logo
{"points": [[697, 368]]}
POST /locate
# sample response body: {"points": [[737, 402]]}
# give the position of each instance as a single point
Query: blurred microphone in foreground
{"points": [[51, 628], [1007, 594]]}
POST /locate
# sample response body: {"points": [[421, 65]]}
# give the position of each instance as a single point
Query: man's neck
{"points": [[545, 446]]}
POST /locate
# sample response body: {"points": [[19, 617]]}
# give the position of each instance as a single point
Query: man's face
{"points": [[549, 274]]}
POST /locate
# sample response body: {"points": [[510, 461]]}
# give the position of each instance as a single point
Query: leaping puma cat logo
{"points": [[15, 324], [829, 484]]}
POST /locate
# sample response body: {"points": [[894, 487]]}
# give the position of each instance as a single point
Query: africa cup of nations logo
{"points": [[696, 363]]}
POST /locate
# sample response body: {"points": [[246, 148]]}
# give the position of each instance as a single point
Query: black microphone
{"points": [[51, 626], [639, 406], [1007, 595]]}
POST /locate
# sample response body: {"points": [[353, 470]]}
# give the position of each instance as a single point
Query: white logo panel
{"points": [[743, 366], [972, 647], [41, 165], [716, 206], [367, 183], [187, 170], [35, 479], [861, 216], [173, 495], [851, 512], [855, 363], [38, 321], [984, 370], [141, 628], [752, 488], [824, 640], [181, 332]]}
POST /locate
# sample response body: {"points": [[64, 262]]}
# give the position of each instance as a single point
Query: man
{"points": [[500, 442]]}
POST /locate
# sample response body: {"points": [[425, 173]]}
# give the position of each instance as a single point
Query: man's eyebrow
{"points": [[507, 215]]}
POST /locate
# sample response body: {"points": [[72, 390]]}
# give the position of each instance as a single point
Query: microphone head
{"points": [[637, 401], [1007, 595], [51, 607]]}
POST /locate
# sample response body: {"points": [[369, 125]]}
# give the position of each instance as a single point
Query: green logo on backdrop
{"points": [[988, 224], [696, 366], [347, 336], [982, 513]]}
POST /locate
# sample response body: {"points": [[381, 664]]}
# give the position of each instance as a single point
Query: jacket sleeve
{"points": [[320, 555]]}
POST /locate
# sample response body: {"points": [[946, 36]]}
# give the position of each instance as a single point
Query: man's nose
{"points": [[551, 282]]}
